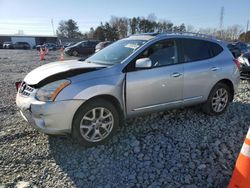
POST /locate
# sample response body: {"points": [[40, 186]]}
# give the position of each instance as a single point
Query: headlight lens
{"points": [[51, 90]]}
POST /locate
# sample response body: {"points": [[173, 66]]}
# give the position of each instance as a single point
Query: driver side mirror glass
{"points": [[143, 63]]}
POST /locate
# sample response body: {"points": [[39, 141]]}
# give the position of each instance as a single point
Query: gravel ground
{"points": [[177, 148]]}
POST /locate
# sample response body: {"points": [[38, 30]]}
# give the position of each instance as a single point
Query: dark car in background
{"points": [[68, 44], [102, 45], [8, 45], [22, 45], [49, 46], [1, 45], [237, 48], [245, 65], [83, 48]]}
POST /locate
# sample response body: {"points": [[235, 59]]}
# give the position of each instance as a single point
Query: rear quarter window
{"points": [[216, 49], [196, 50]]}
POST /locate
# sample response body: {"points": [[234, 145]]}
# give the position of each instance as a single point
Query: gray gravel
{"points": [[177, 148]]}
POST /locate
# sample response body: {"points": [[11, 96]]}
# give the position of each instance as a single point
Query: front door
{"points": [[158, 87]]}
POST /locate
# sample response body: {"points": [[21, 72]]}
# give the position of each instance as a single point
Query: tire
{"points": [[218, 100], [89, 129], [75, 53]]}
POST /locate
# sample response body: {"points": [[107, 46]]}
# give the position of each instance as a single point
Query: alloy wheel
{"points": [[96, 124], [220, 100]]}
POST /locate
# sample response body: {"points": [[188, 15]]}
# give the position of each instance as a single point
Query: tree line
{"points": [[117, 28], [120, 27]]}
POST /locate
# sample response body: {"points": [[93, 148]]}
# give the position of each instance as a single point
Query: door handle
{"points": [[215, 68], [176, 74]]}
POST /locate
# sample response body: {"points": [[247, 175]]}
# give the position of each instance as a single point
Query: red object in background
{"points": [[236, 61], [61, 57], [18, 85], [46, 51], [41, 54]]}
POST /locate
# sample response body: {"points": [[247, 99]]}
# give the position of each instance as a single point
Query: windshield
{"points": [[116, 52]]}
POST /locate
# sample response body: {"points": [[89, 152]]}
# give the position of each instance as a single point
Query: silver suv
{"points": [[136, 75]]}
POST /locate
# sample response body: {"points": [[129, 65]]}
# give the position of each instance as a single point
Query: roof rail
{"points": [[145, 34], [188, 34]]}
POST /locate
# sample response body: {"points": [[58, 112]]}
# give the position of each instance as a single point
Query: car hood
{"points": [[59, 70]]}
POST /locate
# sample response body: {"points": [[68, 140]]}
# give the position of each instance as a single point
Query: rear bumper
{"points": [[48, 117]]}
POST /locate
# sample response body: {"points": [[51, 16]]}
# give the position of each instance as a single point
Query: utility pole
{"points": [[221, 20], [246, 30], [52, 24], [221, 17]]}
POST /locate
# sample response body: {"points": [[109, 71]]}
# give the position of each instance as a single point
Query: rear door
{"points": [[200, 69], [157, 87], [83, 48]]}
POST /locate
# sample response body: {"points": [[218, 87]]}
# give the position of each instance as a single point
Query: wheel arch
{"points": [[110, 98], [230, 85]]}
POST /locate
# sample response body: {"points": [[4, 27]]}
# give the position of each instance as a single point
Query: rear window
{"points": [[195, 50]]}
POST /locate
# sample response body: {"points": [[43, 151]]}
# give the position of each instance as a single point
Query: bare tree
{"points": [[121, 25], [190, 28], [68, 29]]}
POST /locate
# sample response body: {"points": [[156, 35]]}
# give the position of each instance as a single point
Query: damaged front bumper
{"points": [[48, 117]]}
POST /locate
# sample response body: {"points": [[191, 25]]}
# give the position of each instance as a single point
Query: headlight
{"points": [[51, 90], [243, 61]]}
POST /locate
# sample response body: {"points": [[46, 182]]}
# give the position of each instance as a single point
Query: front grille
{"points": [[25, 89]]}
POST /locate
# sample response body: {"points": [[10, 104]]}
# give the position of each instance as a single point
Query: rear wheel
{"points": [[218, 100], [95, 122]]}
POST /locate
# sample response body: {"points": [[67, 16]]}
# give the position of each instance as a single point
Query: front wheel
{"points": [[95, 122], [218, 100]]}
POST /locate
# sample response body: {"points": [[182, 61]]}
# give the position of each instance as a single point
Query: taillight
{"points": [[18, 85], [236, 61]]}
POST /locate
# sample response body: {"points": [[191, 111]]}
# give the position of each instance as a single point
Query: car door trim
{"points": [[192, 98], [168, 103], [157, 105]]}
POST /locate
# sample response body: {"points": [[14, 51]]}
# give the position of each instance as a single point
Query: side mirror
{"points": [[143, 63]]}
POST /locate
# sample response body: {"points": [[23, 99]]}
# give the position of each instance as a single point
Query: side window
{"points": [[161, 53], [93, 44], [194, 50], [216, 49], [84, 44]]}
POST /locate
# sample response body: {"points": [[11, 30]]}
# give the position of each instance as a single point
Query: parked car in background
{"points": [[49, 46], [1, 45], [136, 75], [245, 65], [83, 48], [102, 45], [21, 45], [8, 45], [237, 48], [69, 44]]}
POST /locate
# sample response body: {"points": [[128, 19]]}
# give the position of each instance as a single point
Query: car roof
{"points": [[149, 36]]}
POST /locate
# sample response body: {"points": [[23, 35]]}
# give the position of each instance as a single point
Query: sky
{"points": [[34, 17]]}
